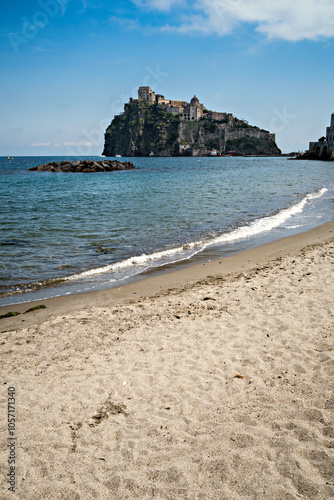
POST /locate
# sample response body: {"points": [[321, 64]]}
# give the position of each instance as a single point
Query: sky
{"points": [[68, 66]]}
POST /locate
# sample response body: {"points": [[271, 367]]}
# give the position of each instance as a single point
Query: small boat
{"points": [[214, 152], [118, 156]]}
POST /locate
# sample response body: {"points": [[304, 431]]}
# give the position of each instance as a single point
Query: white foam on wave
{"points": [[142, 262], [270, 222], [139, 260]]}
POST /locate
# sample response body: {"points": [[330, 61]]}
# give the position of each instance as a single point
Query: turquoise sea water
{"points": [[67, 233]]}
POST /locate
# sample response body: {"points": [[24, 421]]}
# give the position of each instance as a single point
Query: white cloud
{"points": [[125, 22], [38, 48], [162, 5], [61, 144], [40, 144], [74, 144], [287, 20]]}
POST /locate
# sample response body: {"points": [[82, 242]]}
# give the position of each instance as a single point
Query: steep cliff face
{"points": [[142, 130], [145, 129]]}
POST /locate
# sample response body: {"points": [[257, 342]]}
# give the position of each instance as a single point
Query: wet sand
{"points": [[210, 382]]}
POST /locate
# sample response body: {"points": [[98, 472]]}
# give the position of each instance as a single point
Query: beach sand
{"points": [[211, 382]]}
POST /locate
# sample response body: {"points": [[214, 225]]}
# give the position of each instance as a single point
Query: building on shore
{"points": [[324, 148]]}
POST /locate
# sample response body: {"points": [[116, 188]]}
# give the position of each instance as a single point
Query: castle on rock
{"points": [[192, 111], [152, 125]]}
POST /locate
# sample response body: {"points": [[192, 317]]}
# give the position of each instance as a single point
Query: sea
{"points": [[68, 233]]}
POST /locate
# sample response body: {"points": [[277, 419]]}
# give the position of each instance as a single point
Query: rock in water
{"points": [[87, 166]]}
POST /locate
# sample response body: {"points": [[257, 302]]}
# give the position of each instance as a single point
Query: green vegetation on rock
{"points": [[253, 146], [143, 129]]}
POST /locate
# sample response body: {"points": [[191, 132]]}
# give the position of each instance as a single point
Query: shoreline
{"points": [[165, 279], [97, 260]]}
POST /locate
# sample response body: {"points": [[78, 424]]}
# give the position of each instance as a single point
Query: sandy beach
{"points": [[209, 382]]}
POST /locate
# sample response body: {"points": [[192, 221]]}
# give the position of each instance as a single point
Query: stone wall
{"points": [[173, 109], [192, 112], [214, 115], [330, 130], [238, 133], [322, 150]]}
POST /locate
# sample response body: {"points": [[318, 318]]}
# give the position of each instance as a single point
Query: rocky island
{"points": [[86, 166], [154, 126]]}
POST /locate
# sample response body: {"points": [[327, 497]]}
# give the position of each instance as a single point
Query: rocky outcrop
{"points": [[146, 129], [86, 166], [142, 130], [200, 138], [307, 155]]}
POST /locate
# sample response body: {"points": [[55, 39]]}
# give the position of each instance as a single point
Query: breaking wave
{"points": [[136, 265]]}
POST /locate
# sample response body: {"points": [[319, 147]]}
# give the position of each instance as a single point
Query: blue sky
{"points": [[68, 66]]}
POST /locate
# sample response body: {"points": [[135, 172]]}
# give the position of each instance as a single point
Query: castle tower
{"points": [[146, 94], [330, 130], [195, 109], [194, 101]]}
